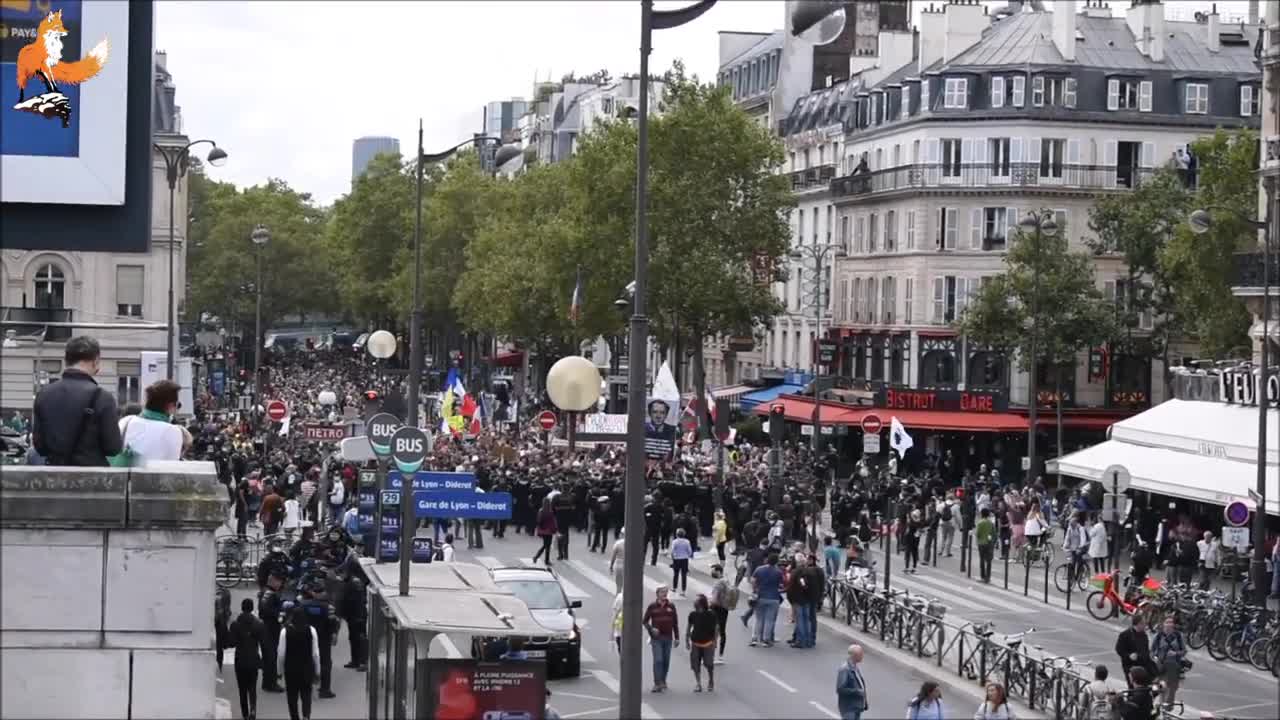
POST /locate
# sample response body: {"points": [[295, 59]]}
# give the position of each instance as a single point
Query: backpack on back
{"points": [[946, 512]]}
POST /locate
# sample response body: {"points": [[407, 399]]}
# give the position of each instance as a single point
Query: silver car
{"points": [[540, 590]]}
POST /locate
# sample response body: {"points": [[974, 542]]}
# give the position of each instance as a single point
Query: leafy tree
{"points": [[1044, 307], [297, 272], [1199, 266]]}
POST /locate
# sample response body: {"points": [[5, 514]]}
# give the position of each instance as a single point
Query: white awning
{"points": [[1168, 472], [1199, 451]]}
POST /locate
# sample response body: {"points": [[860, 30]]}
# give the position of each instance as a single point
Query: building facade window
{"points": [[1197, 102], [873, 230], [997, 91], [1052, 154], [948, 228], [951, 157], [998, 153], [908, 301], [955, 93], [128, 382], [1123, 94], [911, 229], [1248, 101], [891, 231], [129, 290], [1018, 94], [50, 287], [995, 226]]}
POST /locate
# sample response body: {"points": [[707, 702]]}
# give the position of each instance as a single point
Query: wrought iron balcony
{"points": [[817, 176], [28, 322], [1246, 270], [990, 175]]}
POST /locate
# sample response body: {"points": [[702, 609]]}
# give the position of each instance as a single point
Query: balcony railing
{"points": [[1246, 270], [28, 321], [964, 176], [819, 175]]}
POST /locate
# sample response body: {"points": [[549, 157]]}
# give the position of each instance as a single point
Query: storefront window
{"points": [[986, 369], [877, 359], [897, 358], [937, 369], [1130, 381]]}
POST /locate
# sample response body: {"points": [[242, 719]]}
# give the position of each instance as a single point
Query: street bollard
{"points": [[964, 544], [1071, 580], [1006, 571], [967, 555], [1046, 581], [1026, 580]]}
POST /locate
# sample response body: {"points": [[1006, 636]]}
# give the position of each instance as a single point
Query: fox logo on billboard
{"points": [[1241, 388]]}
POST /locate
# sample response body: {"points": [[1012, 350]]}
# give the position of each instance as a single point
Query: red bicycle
{"points": [[1107, 603]]}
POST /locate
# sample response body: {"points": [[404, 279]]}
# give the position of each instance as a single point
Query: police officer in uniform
{"points": [[270, 609], [314, 600], [355, 612]]}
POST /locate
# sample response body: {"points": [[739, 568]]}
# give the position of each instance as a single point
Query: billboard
{"points": [[470, 690], [64, 96], [76, 84]]}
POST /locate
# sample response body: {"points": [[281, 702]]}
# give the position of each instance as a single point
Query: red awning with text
{"points": [[800, 410]]}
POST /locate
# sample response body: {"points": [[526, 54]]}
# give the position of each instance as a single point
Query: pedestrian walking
{"points": [[1099, 697], [767, 584], [616, 558], [546, 529], [681, 554], [831, 556], [700, 641], [995, 706], [355, 610], [248, 635], [723, 599], [720, 533], [911, 541], [985, 534], [75, 422], [663, 626], [1210, 552], [1169, 651], [1099, 549], [292, 514], [927, 704], [299, 662], [1134, 648], [851, 689], [617, 622], [949, 519]]}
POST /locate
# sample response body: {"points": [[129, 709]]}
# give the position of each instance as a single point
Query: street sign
{"points": [[1236, 514], [826, 351], [277, 410], [381, 427], [244, 402], [871, 423], [1236, 537], [1115, 478], [465, 504], [871, 444], [409, 448], [431, 481], [324, 432], [547, 420]]}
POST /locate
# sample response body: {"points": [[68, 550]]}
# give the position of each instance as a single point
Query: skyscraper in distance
{"points": [[365, 149]]}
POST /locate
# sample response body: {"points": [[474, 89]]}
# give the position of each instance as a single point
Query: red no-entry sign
{"points": [[871, 424], [547, 420], [277, 410]]}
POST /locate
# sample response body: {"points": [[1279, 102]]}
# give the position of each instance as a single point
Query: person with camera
{"points": [[1169, 651]]}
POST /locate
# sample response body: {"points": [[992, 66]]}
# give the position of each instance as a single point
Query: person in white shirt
{"points": [[292, 515], [446, 549], [298, 661], [1210, 550], [617, 558], [151, 435], [1098, 548]]}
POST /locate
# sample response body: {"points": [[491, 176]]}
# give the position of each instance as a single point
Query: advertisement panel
{"points": [[64, 100], [470, 690]]}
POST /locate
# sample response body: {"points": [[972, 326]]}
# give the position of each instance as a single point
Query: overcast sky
{"points": [[285, 87]]}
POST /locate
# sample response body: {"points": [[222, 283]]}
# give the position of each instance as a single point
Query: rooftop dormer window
{"points": [[1049, 91], [1126, 94], [955, 94], [1197, 98]]}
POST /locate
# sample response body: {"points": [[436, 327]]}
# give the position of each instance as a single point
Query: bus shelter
{"points": [[444, 598]]}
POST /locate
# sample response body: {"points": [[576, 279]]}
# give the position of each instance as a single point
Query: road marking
{"points": [[1237, 708], [562, 693], [607, 679], [825, 710], [594, 577], [988, 599], [776, 681], [610, 709], [489, 561], [584, 655], [573, 591]]}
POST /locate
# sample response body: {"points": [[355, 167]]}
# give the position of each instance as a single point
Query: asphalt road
{"points": [[1224, 688]]}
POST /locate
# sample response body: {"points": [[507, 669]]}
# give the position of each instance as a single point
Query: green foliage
{"points": [[1045, 306], [297, 270]]}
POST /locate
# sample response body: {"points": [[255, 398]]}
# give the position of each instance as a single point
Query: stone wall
{"points": [[106, 591]]}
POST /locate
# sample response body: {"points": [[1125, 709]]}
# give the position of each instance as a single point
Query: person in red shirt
{"points": [[663, 625]]}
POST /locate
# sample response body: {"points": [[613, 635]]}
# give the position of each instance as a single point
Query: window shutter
{"points": [[1246, 100], [1113, 94], [1109, 154], [1073, 151], [1148, 154], [939, 300], [934, 150], [975, 228], [1144, 96], [980, 150], [1019, 90], [962, 295], [1069, 92], [129, 284], [908, 289], [873, 294], [1033, 153], [1037, 91], [997, 92], [952, 231], [1015, 150], [1109, 291], [924, 95], [911, 229], [1010, 223], [966, 151]]}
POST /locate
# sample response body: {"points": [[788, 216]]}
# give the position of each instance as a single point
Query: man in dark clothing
{"points": [[1134, 648], [270, 606], [248, 635], [75, 421], [600, 523], [652, 526], [355, 612]]}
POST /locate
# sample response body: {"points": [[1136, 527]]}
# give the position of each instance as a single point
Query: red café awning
{"points": [[800, 410], [507, 359]]}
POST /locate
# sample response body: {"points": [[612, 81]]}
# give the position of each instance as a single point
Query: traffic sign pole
{"points": [[409, 448]]}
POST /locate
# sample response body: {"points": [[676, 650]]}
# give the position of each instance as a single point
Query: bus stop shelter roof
{"points": [[461, 577], [451, 598]]}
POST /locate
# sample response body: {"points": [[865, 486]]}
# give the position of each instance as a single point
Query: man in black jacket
{"points": [[248, 634], [76, 422], [1134, 648]]}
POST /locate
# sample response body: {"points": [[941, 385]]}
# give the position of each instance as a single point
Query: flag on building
{"points": [[899, 440], [575, 303]]}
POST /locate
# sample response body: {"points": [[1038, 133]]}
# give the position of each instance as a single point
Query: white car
{"points": [[540, 590]]}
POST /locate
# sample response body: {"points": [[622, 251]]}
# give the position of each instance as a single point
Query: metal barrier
{"points": [[901, 620], [237, 557]]}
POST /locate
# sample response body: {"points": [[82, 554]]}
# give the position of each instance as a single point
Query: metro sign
{"points": [[324, 433]]}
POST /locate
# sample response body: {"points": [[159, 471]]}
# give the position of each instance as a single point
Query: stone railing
{"points": [[106, 591]]}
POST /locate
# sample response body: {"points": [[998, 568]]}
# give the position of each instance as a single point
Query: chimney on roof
{"points": [[1064, 28], [933, 31], [964, 21], [1211, 29], [1145, 19], [1097, 9]]}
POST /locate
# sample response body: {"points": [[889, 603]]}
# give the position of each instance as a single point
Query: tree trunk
{"points": [[700, 388], [1057, 389]]}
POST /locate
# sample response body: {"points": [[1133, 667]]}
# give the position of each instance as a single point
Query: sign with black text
{"points": [[1241, 388]]}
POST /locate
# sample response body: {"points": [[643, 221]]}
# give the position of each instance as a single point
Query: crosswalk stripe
{"points": [[593, 576], [585, 656], [573, 591], [990, 598], [607, 679], [489, 561]]}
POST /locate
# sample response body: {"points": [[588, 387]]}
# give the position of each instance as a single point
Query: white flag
{"points": [[284, 427], [898, 438]]}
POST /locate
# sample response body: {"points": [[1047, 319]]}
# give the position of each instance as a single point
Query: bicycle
{"points": [[1070, 573], [1107, 603]]}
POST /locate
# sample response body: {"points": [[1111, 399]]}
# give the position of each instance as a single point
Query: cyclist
{"points": [[1075, 544]]}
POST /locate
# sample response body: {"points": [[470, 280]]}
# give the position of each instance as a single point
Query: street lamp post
{"points": [[632, 670], [1201, 222], [1040, 224], [504, 153], [176, 161], [260, 237], [818, 254]]}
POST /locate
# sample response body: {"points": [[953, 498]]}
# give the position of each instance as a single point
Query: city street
{"points": [[779, 682], [1225, 688]]}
